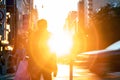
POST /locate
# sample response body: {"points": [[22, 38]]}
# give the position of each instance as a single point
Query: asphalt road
{"points": [[82, 74], [78, 74]]}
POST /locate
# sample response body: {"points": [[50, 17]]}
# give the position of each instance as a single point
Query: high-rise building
{"points": [[81, 14], [71, 21]]}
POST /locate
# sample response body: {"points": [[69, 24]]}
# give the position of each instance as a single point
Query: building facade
{"points": [[71, 22]]}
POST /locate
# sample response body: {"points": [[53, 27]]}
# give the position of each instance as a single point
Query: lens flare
{"points": [[61, 43]]}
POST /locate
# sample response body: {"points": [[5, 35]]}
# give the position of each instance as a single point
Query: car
{"points": [[103, 61]]}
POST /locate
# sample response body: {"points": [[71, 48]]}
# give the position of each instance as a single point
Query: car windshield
{"points": [[114, 46]]}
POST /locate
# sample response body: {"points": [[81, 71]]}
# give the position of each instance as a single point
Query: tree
{"points": [[107, 23]]}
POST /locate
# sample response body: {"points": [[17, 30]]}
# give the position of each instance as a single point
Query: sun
{"points": [[61, 43]]}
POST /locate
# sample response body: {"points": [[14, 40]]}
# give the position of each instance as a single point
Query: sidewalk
{"points": [[7, 76], [110, 75]]}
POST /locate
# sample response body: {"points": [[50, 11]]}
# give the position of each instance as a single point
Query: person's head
{"points": [[42, 24]]}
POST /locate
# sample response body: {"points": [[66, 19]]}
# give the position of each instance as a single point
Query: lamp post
{"points": [[71, 70]]}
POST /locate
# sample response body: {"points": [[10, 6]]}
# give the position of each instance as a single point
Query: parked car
{"points": [[103, 61]]}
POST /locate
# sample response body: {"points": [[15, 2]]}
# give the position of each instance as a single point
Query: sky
{"points": [[55, 11]]}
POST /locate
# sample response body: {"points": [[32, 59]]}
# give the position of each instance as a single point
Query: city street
{"points": [[62, 32], [78, 74]]}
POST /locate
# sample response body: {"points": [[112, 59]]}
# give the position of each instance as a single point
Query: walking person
{"points": [[41, 62]]}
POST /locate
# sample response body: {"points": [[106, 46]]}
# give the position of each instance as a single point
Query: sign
{"points": [[2, 10], [2, 18]]}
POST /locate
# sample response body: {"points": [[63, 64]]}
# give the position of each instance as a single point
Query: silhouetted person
{"points": [[42, 61]]}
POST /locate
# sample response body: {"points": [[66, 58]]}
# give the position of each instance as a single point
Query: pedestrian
{"points": [[41, 62]]}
